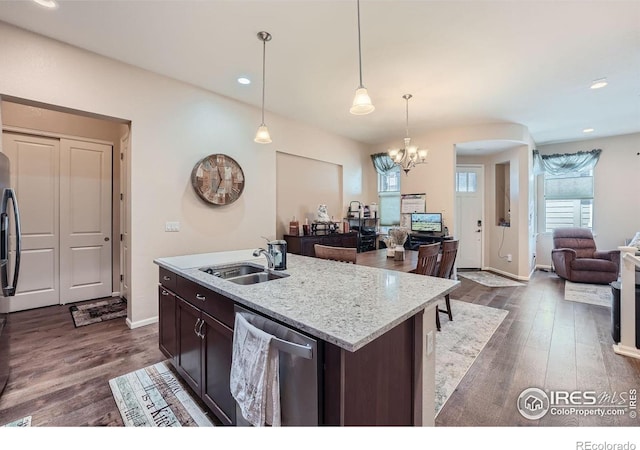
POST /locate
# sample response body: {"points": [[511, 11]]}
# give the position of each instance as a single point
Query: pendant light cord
{"points": [[264, 51], [359, 46], [407, 97], [407, 124]]}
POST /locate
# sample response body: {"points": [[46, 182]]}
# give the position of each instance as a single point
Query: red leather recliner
{"points": [[576, 259]]}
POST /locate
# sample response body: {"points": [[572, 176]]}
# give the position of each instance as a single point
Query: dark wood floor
{"points": [[60, 373], [544, 342]]}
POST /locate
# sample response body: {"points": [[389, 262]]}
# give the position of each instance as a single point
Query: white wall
{"points": [[616, 204], [173, 125]]}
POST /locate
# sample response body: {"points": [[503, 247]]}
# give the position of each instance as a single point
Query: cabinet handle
{"points": [[164, 292], [166, 278], [201, 297], [200, 330], [196, 326]]}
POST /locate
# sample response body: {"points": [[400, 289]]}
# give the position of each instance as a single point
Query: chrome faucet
{"points": [[270, 261]]}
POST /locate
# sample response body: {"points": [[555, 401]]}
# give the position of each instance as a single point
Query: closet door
{"points": [[85, 220], [34, 176]]}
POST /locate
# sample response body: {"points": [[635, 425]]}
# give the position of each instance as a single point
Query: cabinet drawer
{"points": [[167, 279], [214, 304]]}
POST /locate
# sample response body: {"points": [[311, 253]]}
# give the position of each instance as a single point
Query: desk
{"points": [[416, 239], [379, 259]]}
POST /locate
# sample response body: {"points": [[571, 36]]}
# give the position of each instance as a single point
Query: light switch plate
{"points": [[172, 226]]}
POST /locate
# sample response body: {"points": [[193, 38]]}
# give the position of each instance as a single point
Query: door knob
{"points": [[106, 239]]}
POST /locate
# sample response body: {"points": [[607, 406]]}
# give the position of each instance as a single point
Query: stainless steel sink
{"points": [[234, 270], [254, 278], [243, 273]]}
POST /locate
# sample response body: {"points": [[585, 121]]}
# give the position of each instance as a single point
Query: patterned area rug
{"points": [[489, 279], [24, 422], [594, 294], [460, 342], [153, 397], [98, 311]]}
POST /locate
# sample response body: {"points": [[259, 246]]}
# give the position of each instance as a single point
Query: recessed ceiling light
{"points": [[244, 80], [51, 4], [599, 83], [588, 130]]}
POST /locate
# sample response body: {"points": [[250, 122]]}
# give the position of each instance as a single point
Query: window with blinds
{"points": [[389, 197], [568, 200]]}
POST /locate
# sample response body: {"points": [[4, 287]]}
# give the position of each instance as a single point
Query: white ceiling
{"points": [[465, 62]]}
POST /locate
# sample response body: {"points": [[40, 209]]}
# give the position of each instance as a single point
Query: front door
{"points": [[469, 217]]}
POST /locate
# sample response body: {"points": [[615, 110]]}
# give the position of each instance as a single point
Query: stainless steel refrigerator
{"points": [[8, 288]]}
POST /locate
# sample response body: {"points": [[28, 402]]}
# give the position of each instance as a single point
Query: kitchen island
{"points": [[375, 352]]}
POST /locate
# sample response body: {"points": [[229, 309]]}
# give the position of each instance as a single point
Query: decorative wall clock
{"points": [[218, 179]]}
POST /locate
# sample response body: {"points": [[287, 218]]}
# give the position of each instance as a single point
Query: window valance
{"points": [[559, 164]]}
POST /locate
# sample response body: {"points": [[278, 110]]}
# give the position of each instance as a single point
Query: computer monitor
{"points": [[426, 222]]}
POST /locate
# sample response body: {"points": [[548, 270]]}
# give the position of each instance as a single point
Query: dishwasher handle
{"points": [[301, 350]]}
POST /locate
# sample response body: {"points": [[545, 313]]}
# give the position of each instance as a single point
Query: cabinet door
{"points": [[217, 353], [167, 328], [307, 245], [188, 358]]}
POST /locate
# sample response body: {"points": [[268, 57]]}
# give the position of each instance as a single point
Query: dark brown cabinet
{"points": [[303, 245], [217, 354], [196, 334], [204, 358], [189, 356], [167, 319]]}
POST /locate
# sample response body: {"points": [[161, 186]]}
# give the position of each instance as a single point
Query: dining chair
{"points": [[427, 259], [444, 269], [344, 254]]}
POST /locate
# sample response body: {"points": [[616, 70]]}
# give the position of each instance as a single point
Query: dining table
{"points": [[379, 259]]}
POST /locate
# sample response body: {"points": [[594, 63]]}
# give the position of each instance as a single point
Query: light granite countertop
{"points": [[346, 304]]}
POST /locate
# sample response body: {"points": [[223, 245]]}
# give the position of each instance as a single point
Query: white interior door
{"points": [[34, 177], [85, 220], [469, 215]]}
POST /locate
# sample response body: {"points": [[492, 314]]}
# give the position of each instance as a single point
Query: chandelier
{"points": [[410, 155]]}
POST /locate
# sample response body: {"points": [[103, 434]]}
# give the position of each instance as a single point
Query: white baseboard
{"points": [[115, 294], [508, 275], [626, 351], [544, 267], [141, 323]]}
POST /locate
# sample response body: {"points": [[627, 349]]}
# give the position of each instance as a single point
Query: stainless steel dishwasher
{"points": [[298, 356]]}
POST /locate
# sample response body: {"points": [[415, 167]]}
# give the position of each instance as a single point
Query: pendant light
{"points": [[262, 135], [409, 156], [361, 102]]}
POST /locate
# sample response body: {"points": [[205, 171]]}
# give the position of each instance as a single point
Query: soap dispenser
{"points": [[278, 249]]}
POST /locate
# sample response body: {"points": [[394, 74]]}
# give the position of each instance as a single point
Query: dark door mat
{"points": [[98, 311]]}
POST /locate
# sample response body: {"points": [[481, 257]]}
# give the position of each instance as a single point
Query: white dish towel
{"points": [[255, 380]]}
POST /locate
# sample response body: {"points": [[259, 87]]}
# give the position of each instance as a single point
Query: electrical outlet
{"points": [[172, 226], [429, 343], [509, 257]]}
